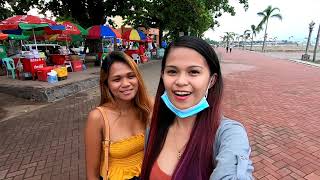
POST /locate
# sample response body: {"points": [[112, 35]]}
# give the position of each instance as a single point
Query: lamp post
{"points": [[316, 45], [305, 56]]}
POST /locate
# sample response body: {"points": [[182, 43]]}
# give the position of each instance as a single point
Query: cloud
{"points": [[296, 17]]}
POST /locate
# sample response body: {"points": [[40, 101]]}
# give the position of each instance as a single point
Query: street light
{"points": [[305, 56]]}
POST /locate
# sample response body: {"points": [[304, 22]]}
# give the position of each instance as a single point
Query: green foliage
{"points": [[228, 37], [266, 14], [9, 8], [210, 41], [172, 16]]}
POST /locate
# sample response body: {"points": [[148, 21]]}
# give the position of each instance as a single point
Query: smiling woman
{"points": [[189, 138], [114, 135]]}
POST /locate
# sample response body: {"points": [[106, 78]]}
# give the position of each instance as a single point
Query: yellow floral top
{"points": [[125, 158]]}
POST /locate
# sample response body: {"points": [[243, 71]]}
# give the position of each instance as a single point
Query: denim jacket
{"points": [[231, 152]]}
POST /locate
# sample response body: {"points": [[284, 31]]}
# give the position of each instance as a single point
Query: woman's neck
{"points": [[124, 107], [185, 124]]}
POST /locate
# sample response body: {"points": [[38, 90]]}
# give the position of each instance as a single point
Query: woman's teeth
{"points": [[180, 93]]}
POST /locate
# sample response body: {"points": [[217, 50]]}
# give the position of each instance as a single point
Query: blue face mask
{"points": [[183, 113]]}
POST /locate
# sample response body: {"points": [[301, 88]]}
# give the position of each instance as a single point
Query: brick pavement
{"points": [[47, 143], [278, 101]]}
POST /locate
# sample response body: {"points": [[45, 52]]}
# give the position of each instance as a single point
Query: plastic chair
{"points": [[9, 64], [68, 64], [136, 58]]}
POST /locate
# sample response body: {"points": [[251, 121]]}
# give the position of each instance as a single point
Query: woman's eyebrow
{"points": [[195, 66], [115, 76], [170, 66]]}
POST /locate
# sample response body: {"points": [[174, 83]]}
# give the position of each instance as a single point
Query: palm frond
{"points": [[259, 28], [246, 32], [279, 16], [274, 9], [254, 29]]}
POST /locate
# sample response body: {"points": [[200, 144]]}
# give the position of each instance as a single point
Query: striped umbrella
{"points": [[134, 35], [102, 32]]}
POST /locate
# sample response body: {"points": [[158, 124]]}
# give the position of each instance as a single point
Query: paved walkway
{"points": [[277, 100]]}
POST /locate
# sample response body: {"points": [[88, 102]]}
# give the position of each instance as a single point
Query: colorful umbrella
{"points": [[3, 36], [134, 35], [74, 31], [13, 37], [59, 37], [70, 28], [27, 22], [102, 32], [17, 37]]}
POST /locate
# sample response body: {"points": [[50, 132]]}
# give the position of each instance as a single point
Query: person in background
{"points": [[124, 112], [142, 49], [189, 138], [230, 48], [164, 44]]}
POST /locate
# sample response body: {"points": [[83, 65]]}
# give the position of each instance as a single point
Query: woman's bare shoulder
{"points": [[95, 117]]}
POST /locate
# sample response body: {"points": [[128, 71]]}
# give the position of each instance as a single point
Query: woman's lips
{"points": [[126, 92], [181, 96]]}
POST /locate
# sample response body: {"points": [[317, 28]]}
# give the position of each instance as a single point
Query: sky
{"points": [[296, 15]]}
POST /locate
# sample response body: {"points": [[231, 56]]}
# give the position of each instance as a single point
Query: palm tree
{"points": [[245, 36], [237, 37], [266, 15], [254, 31], [228, 37]]}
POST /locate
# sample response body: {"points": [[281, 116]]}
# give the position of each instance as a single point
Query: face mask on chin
{"points": [[191, 111], [184, 113]]}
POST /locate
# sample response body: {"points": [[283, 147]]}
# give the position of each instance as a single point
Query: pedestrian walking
{"points": [[227, 48], [114, 134], [189, 138], [230, 48]]}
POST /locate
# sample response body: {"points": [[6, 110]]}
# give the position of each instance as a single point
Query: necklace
{"points": [[180, 150]]}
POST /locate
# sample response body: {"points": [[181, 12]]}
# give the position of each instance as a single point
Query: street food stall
{"points": [[135, 40]]}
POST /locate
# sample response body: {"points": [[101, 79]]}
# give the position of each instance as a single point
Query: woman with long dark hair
{"points": [[189, 138], [114, 134]]}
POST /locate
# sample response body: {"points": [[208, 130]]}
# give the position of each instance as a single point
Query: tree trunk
{"points": [[244, 43], [160, 36], [251, 42], [316, 46], [265, 36], [308, 42]]}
